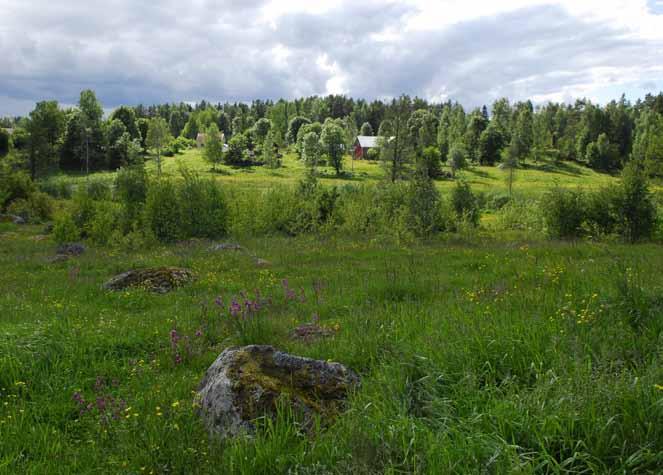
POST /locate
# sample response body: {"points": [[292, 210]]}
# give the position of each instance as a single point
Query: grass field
{"points": [[483, 357], [532, 179]]}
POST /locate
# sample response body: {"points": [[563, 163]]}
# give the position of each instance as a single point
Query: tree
{"points": [[475, 127], [93, 140], [293, 128], [4, 142], [269, 154], [143, 126], [457, 158], [158, 137], [429, 162], [213, 151], [395, 149], [127, 116], [522, 137], [366, 129], [648, 144], [635, 205], [176, 122], [602, 155], [332, 141], [45, 127], [490, 146], [311, 149], [114, 132], [510, 163], [262, 128], [237, 146]]}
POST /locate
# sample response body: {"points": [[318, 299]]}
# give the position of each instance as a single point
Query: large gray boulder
{"points": [[158, 279], [246, 383]]}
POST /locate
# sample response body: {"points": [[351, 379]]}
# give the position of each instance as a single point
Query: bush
{"points": [[37, 208], [464, 204], [602, 215], [564, 213], [14, 185], [98, 190], [522, 215], [65, 229], [162, 211], [83, 210], [202, 207], [423, 205], [131, 191], [56, 188], [635, 205], [104, 222]]}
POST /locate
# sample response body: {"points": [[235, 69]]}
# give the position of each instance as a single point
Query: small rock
{"points": [[71, 249], [226, 246], [38, 237], [48, 229], [57, 258], [11, 218], [246, 383], [262, 263], [159, 279], [311, 331]]}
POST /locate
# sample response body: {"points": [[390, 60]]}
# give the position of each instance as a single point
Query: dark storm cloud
{"points": [[145, 52]]}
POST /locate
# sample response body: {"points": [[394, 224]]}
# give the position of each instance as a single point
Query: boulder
{"points": [[262, 263], [246, 383], [158, 279], [226, 246], [10, 218], [70, 249]]}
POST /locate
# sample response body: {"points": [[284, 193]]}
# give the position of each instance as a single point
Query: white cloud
{"points": [[468, 50]]}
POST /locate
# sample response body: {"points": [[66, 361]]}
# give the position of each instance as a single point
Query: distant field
{"points": [[531, 179], [482, 357]]}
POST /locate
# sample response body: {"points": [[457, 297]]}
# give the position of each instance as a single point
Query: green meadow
{"points": [[483, 351]]}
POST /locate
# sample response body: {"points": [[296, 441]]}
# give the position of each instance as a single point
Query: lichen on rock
{"points": [[246, 383], [159, 279]]}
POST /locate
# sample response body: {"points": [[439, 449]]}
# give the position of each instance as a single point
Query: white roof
{"points": [[367, 141]]}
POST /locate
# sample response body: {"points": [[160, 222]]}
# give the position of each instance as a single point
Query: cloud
{"points": [[472, 51]]}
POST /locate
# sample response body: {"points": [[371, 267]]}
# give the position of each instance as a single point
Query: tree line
{"points": [[413, 130]]}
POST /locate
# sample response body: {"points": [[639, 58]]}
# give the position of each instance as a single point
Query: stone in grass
{"points": [[10, 218], [248, 382], [159, 279], [262, 263], [226, 246], [70, 249], [309, 332]]}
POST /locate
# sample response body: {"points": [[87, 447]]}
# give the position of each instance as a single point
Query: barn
{"points": [[202, 138], [363, 144]]}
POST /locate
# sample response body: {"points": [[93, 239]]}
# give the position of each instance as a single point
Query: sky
{"points": [[470, 51]]}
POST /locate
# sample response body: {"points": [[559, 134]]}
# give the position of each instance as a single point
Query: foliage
{"points": [[158, 137], [635, 206], [213, 151], [332, 143], [565, 212], [236, 154], [293, 128], [457, 158], [366, 129], [202, 207], [65, 229], [36, 208], [464, 204]]}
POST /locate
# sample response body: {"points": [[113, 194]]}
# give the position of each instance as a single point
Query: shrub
{"points": [[14, 185], [98, 190], [104, 222], [423, 205], [131, 191], [37, 208], [520, 215], [602, 215], [162, 211], [56, 188], [464, 204], [373, 154], [65, 229], [635, 205], [83, 210], [202, 207], [564, 213]]}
